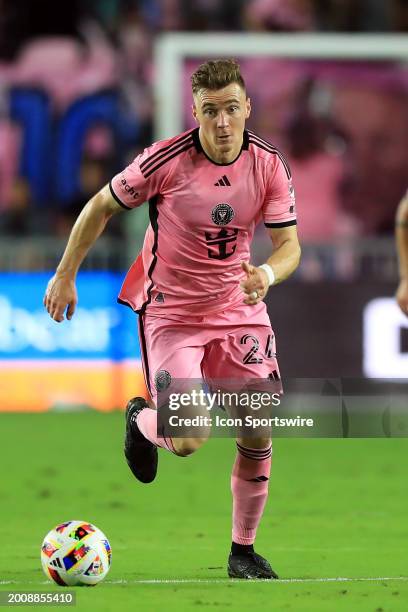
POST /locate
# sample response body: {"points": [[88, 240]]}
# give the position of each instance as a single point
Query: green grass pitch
{"points": [[336, 509]]}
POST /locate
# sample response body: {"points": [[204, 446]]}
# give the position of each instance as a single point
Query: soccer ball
{"points": [[76, 553]]}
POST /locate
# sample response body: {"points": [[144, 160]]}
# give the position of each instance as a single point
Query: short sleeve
{"points": [[132, 187], [279, 207]]}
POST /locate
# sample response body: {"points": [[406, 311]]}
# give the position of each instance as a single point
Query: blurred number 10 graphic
{"points": [[52, 146]]}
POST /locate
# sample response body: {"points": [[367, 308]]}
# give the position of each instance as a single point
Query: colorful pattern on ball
{"points": [[76, 553]]}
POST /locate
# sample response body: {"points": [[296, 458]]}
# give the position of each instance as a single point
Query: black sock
{"points": [[241, 549]]}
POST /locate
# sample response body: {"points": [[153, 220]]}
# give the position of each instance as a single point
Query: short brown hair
{"points": [[216, 74]]}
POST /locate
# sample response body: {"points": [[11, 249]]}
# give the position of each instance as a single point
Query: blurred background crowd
{"points": [[76, 105]]}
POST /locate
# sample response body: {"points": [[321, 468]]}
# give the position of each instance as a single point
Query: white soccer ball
{"points": [[76, 553]]}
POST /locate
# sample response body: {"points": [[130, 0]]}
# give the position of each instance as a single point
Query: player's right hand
{"points": [[402, 295], [255, 286], [60, 296]]}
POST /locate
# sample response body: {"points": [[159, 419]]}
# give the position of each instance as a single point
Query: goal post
{"points": [[172, 49]]}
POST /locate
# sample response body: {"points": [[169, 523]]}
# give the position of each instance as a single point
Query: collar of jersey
{"points": [[199, 148]]}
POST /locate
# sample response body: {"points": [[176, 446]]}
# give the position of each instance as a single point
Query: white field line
{"points": [[229, 580], [226, 580]]}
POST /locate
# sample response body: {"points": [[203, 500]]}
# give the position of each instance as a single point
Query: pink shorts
{"points": [[236, 344]]}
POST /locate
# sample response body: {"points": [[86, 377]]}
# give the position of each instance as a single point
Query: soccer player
{"points": [[401, 233], [199, 300]]}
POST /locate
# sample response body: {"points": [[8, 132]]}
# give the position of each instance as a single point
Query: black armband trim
{"points": [[282, 224], [117, 199]]}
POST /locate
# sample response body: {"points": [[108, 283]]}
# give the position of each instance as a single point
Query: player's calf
{"points": [[254, 443]]}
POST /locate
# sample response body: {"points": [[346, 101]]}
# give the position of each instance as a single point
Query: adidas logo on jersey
{"points": [[223, 182], [159, 298]]}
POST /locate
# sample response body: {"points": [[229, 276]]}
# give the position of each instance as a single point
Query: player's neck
{"points": [[217, 156]]}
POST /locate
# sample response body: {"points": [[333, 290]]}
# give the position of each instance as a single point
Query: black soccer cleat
{"points": [[140, 453], [250, 566]]}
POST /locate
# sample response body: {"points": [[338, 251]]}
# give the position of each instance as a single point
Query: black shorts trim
{"points": [[143, 352], [120, 301]]}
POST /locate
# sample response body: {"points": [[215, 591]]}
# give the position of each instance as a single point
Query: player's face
{"points": [[221, 115]]}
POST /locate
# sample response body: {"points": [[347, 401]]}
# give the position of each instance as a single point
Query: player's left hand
{"points": [[255, 285]]}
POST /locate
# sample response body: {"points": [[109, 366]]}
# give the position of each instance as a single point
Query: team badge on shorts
{"points": [[162, 380], [222, 214]]}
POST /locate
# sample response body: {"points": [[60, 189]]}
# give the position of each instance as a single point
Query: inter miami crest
{"points": [[222, 214]]}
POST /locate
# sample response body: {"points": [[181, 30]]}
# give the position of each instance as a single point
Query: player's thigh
{"points": [[167, 355], [173, 375], [244, 365], [245, 353]]}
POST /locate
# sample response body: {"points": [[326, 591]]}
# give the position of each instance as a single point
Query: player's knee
{"points": [[187, 446]]}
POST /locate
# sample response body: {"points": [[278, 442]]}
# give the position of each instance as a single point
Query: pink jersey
{"points": [[202, 219]]}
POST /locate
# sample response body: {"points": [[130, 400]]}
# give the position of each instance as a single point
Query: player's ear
{"points": [[247, 108], [194, 111]]}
